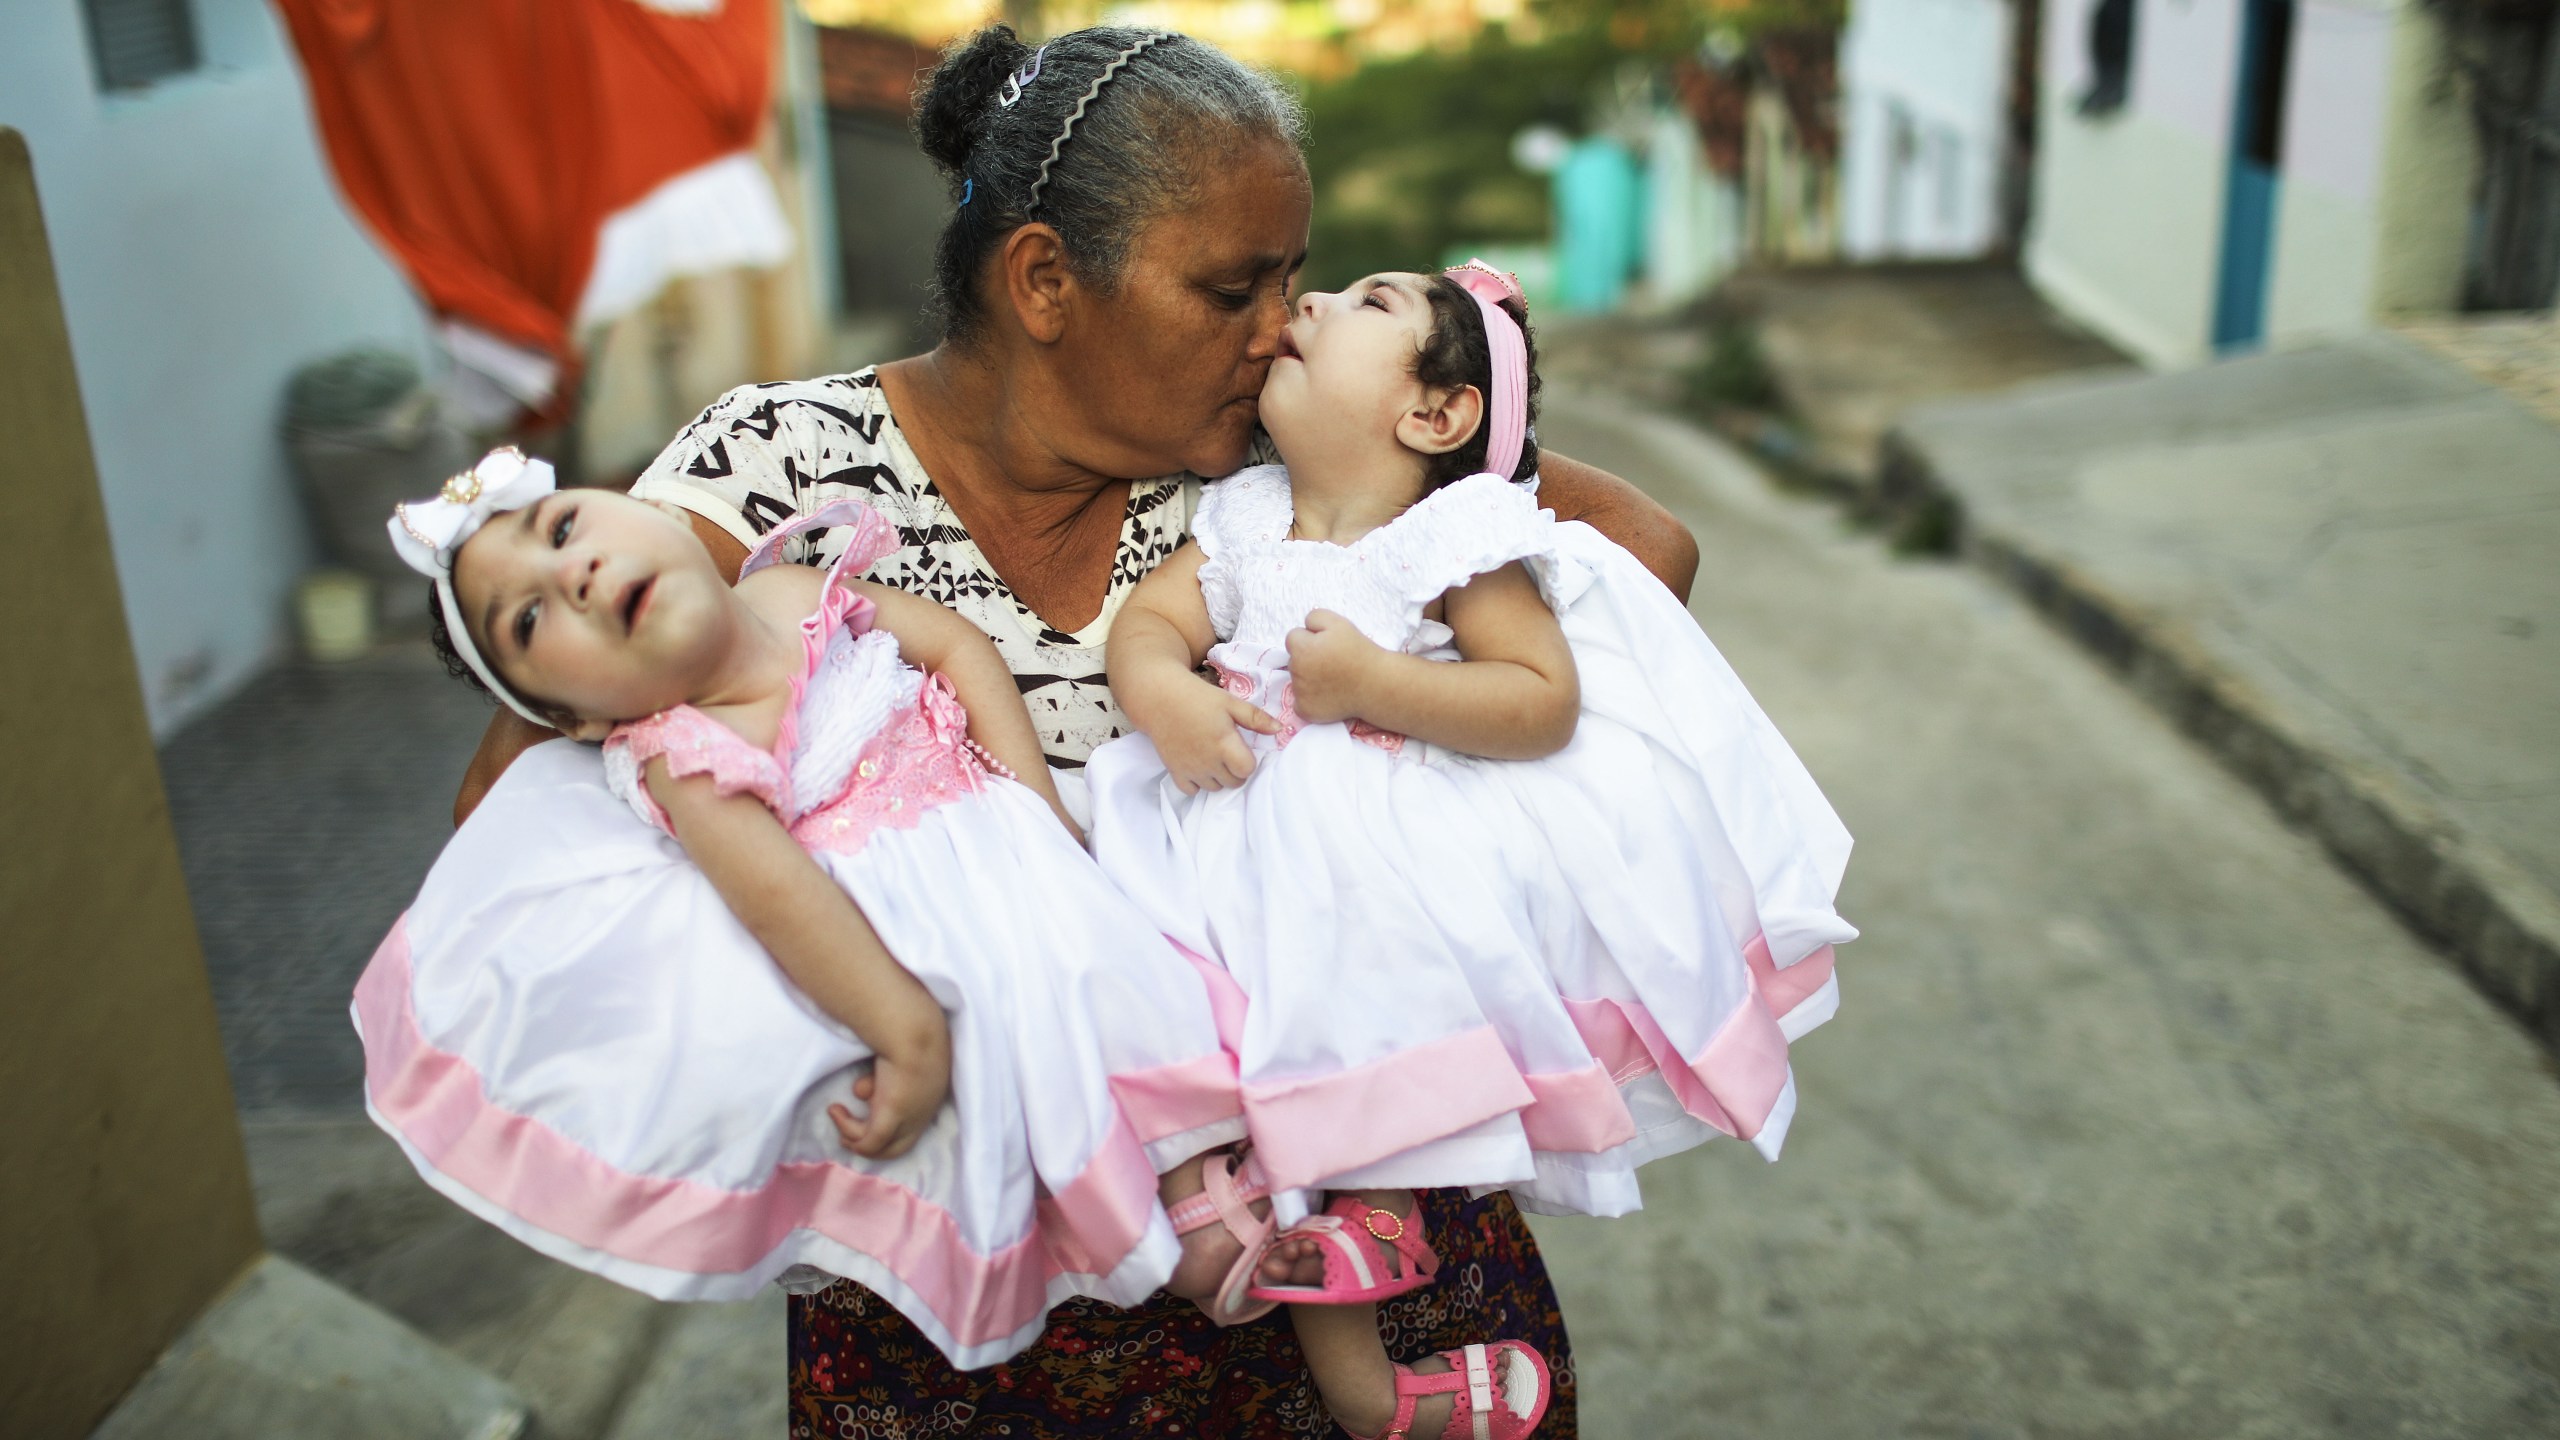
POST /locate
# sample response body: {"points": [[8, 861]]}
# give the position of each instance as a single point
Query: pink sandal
{"points": [[1501, 1392], [1352, 1275], [1224, 1200]]}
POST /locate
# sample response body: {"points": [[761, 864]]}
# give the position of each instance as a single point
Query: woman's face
{"points": [[1167, 372]]}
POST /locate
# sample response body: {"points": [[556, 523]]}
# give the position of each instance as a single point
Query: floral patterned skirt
{"points": [[859, 1371]]}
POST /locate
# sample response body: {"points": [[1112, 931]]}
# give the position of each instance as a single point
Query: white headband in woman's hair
{"points": [[429, 533]]}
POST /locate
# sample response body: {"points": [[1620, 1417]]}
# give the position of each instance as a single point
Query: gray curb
{"points": [[2502, 928]]}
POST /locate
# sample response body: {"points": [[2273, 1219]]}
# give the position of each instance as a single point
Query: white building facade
{"points": [[1924, 98], [203, 255], [2278, 170]]}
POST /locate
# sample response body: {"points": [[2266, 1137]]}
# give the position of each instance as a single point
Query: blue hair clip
{"points": [[968, 188]]}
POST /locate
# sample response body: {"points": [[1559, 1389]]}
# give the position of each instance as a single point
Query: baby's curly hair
{"points": [[1459, 354]]}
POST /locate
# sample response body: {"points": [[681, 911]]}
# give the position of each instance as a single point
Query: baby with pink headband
{"points": [[1505, 880]]}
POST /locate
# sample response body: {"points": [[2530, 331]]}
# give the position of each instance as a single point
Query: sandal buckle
{"points": [[1369, 1222]]}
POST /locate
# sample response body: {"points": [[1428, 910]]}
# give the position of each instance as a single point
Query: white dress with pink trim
{"points": [[572, 1036], [1449, 970]]}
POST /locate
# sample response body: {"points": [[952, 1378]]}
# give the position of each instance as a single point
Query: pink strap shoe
{"points": [[1222, 1199], [1501, 1392], [1348, 1234]]}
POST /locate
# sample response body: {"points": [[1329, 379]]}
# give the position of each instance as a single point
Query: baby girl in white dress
{"points": [[805, 971], [1527, 920]]}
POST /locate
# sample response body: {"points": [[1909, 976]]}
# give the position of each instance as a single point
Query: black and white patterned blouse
{"points": [[763, 453]]}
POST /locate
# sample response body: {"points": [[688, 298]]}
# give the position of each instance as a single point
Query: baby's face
{"points": [[1346, 362], [594, 603]]}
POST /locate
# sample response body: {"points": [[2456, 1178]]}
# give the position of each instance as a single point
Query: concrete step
{"points": [[590, 1358]]}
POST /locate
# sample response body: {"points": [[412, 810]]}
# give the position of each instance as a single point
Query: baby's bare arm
{"points": [[819, 937], [1515, 696], [1157, 643]]}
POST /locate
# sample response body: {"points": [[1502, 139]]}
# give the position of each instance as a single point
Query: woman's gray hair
{"points": [[1096, 133]]}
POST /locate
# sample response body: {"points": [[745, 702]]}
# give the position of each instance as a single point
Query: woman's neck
{"points": [[1047, 525]]}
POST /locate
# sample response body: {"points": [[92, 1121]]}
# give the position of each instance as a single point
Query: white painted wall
{"points": [[2337, 112], [2376, 175], [203, 254], [1924, 85], [2128, 207]]}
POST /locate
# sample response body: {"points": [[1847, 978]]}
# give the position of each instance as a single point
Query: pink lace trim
{"points": [[920, 759], [693, 743], [1285, 710]]}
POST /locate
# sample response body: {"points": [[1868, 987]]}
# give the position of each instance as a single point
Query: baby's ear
{"points": [[1444, 422]]}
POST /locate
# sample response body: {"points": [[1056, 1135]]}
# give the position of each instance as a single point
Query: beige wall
{"points": [[2430, 164], [124, 1196]]}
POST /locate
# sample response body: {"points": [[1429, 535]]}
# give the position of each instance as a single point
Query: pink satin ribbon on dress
{"points": [[1507, 408]]}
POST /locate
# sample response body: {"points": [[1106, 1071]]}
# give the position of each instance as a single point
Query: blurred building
{"points": [[1693, 176], [1791, 149], [1925, 103], [2214, 175], [207, 250], [203, 254], [889, 200]]}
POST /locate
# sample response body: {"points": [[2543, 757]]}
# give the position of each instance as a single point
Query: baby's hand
{"points": [[1200, 747], [906, 1086], [1330, 662]]}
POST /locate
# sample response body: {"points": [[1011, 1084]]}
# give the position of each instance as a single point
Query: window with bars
{"points": [[137, 42]]}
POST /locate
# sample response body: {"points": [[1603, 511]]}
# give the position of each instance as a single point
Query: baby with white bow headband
{"points": [[846, 994]]}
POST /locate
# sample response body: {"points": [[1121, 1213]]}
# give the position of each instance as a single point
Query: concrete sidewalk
{"points": [[2340, 569], [307, 811], [1850, 348]]}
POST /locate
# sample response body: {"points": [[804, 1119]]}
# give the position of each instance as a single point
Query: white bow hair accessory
{"points": [[429, 533]]}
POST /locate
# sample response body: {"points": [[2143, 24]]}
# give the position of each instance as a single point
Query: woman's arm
{"points": [[1622, 512], [819, 937], [510, 735], [933, 638], [1516, 696], [1157, 643]]}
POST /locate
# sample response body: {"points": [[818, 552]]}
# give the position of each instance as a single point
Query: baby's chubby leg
{"points": [[1210, 1252]]}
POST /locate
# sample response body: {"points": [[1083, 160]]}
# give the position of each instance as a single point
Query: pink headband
{"points": [[1506, 410]]}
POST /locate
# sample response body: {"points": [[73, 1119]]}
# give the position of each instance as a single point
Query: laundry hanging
{"points": [[540, 166]]}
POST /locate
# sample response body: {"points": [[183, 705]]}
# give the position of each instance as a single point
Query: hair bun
{"points": [[960, 91]]}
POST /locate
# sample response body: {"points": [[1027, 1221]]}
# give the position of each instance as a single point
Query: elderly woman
{"points": [[1132, 210]]}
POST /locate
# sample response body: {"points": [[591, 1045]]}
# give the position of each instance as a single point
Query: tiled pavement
{"points": [[308, 808]]}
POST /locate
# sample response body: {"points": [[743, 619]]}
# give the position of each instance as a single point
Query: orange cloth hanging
{"points": [[486, 141]]}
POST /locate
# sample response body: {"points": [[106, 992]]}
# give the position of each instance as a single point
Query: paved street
{"points": [[2139, 1119]]}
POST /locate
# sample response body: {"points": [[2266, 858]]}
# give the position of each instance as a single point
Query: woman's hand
{"points": [[910, 1077], [1331, 668], [1194, 727]]}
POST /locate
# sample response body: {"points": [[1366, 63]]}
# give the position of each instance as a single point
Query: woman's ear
{"points": [[1032, 269], [1442, 423]]}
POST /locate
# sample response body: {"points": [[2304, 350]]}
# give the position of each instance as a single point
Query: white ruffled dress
{"points": [[572, 1036], [1449, 970]]}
